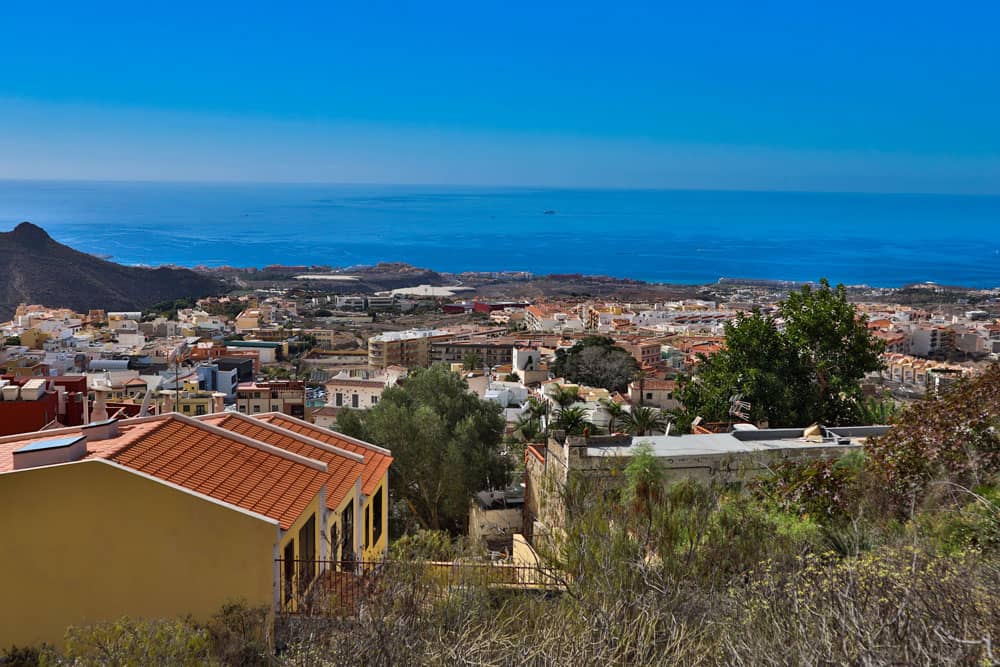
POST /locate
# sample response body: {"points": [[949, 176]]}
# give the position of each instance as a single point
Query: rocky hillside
{"points": [[36, 269]]}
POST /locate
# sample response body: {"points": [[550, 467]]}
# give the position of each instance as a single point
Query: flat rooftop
{"points": [[741, 442]]}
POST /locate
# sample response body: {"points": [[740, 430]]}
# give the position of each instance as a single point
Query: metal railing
{"points": [[341, 588]]}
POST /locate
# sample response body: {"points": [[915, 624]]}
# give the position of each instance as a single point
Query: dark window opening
{"points": [[307, 552], [347, 541], [368, 523], [377, 518], [289, 567]]}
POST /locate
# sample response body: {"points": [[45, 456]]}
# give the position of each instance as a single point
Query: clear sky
{"points": [[866, 96]]}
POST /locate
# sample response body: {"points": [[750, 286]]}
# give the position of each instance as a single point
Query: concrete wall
{"points": [[495, 525], [90, 541]]}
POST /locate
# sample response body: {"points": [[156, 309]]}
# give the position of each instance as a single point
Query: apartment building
{"points": [[360, 391], [546, 317], [410, 349], [284, 396], [931, 341]]}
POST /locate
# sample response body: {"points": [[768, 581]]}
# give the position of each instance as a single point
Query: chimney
{"points": [[50, 452], [217, 402], [100, 411]]}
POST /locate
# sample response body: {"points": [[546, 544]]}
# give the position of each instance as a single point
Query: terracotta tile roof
{"points": [[653, 384], [229, 467], [342, 468], [224, 468], [377, 459]]}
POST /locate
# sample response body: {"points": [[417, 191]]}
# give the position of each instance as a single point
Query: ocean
{"points": [[661, 236]]}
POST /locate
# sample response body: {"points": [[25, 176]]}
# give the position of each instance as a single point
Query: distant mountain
{"points": [[36, 269]]}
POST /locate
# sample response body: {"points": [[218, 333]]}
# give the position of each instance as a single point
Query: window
{"points": [[354, 400], [334, 542], [307, 552], [347, 540], [199, 409], [275, 407], [374, 400], [377, 512], [368, 525], [649, 395], [289, 569], [256, 408], [339, 399], [186, 408]]}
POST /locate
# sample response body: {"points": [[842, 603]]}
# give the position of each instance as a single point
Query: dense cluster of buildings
{"points": [[200, 444]]}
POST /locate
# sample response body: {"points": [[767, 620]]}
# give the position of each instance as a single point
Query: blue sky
{"points": [[888, 96]]}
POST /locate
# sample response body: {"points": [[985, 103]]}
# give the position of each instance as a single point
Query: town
{"points": [[237, 426]]}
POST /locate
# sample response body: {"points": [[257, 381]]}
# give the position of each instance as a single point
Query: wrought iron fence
{"points": [[341, 588]]}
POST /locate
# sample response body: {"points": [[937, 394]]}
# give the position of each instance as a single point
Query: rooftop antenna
{"points": [[738, 407]]}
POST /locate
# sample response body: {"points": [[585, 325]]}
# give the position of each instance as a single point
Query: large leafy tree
{"points": [[808, 370], [597, 362], [445, 442], [834, 348]]}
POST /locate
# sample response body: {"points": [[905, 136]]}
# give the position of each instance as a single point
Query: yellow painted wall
{"points": [[376, 550], [88, 541]]}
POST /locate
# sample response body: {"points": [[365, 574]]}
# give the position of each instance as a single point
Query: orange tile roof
{"points": [[377, 459], [224, 468], [342, 468], [229, 467]]}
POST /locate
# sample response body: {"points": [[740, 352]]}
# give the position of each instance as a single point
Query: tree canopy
{"points": [[445, 443], [802, 366], [597, 362]]}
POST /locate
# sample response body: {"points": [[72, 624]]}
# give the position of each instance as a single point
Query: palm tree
{"points": [[645, 421], [616, 413], [537, 408], [640, 376], [565, 396], [528, 429], [572, 420]]}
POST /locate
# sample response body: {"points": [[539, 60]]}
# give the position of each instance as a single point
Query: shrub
{"points": [[128, 642]]}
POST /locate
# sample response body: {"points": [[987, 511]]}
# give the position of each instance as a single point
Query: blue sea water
{"points": [[663, 236]]}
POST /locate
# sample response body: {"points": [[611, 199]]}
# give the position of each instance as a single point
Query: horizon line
{"points": [[606, 188]]}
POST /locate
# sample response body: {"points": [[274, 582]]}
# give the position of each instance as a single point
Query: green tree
{"points": [[573, 420], [616, 413], [444, 440], [538, 408], [564, 396], [644, 420], [528, 429], [834, 347], [597, 362], [808, 371], [644, 477], [472, 361]]}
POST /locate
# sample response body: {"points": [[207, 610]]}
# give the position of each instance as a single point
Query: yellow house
{"points": [[165, 516], [33, 338], [373, 515], [92, 541]]}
